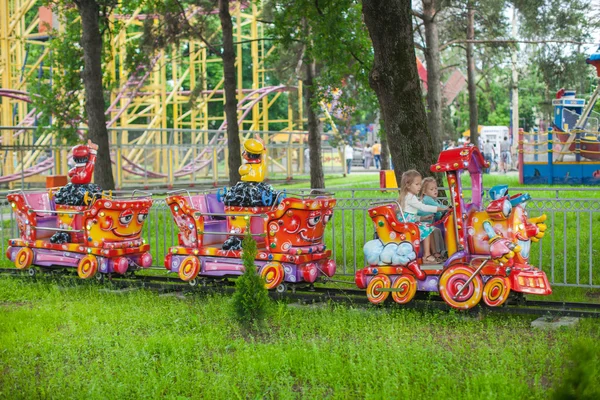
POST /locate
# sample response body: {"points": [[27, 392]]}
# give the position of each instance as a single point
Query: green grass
{"points": [[71, 340]]}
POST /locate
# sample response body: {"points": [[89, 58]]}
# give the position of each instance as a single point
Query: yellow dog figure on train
{"points": [[256, 161]]}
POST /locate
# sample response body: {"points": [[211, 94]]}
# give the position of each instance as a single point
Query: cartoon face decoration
{"points": [[303, 227], [123, 221]]}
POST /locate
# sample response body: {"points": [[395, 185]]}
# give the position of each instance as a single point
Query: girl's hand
{"points": [[442, 208]]}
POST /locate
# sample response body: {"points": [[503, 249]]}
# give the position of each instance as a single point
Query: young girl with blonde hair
{"points": [[410, 187], [428, 195]]}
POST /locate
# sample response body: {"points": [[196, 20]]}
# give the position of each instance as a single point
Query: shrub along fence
{"points": [[567, 253]]}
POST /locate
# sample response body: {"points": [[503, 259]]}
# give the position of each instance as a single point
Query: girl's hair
{"points": [[425, 184], [407, 178]]}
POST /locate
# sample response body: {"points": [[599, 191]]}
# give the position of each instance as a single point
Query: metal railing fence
{"points": [[567, 253], [159, 157]]}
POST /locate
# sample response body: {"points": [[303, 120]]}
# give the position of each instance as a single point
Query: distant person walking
{"points": [[488, 154], [505, 155], [348, 156], [368, 156], [377, 154], [307, 160]]}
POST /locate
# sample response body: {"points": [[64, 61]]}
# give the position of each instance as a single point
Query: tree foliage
{"points": [[330, 38], [251, 299], [57, 92]]}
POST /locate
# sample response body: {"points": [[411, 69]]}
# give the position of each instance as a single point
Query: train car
{"points": [[101, 236], [288, 231], [488, 247]]}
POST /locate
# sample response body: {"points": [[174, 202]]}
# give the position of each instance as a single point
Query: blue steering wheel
{"points": [[267, 199], [220, 196]]}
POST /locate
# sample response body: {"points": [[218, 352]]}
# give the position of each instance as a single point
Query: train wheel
{"points": [[189, 268], [408, 284], [24, 258], [87, 267], [374, 294], [453, 279], [281, 288], [496, 291], [272, 273]]}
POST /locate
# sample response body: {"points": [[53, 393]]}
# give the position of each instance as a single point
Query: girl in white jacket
{"points": [[410, 186]]}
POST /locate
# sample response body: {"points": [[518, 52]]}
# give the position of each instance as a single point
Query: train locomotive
{"points": [[80, 226], [488, 247], [288, 230]]}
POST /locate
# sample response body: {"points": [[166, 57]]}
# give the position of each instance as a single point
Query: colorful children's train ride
{"points": [[83, 227], [488, 248], [80, 226]]}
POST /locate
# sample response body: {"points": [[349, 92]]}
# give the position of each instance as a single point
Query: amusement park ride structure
{"points": [[575, 157], [156, 135]]}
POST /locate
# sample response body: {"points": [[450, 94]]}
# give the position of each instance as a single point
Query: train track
{"points": [[518, 305]]}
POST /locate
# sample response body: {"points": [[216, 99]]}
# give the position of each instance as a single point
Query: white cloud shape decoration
{"points": [[390, 254]]}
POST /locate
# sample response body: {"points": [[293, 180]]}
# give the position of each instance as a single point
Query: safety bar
{"points": [[319, 192], [229, 215], [311, 194], [22, 192], [231, 233], [174, 192], [143, 194], [381, 202], [55, 212], [39, 228], [275, 204]]}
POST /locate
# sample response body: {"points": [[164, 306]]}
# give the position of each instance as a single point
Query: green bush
{"points": [[582, 379], [251, 299]]}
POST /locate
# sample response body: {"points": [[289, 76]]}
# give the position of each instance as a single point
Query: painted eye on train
{"points": [[312, 221], [142, 215], [506, 208], [126, 217], [326, 219]]}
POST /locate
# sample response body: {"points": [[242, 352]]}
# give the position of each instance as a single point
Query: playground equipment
{"points": [[288, 231], [488, 247], [575, 157], [80, 226], [157, 135]]}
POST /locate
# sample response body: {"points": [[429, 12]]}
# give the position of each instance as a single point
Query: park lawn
{"points": [[69, 339]]}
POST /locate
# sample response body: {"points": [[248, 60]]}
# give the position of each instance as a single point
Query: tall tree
{"points": [[472, 85], [194, 19], [395, 79], [328, 39], [228, 55], [317, 179], [91, 11], [78, 52], [435, 101]]}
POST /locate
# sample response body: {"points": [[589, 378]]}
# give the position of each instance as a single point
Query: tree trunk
{"points": [[91, 42], [395, 80], [317, 180], [233, 132], [385, 151], [473, 123], [432, 57]]}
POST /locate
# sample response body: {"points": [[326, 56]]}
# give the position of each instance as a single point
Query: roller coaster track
{"points": [[125, 97], [320, 294]]}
